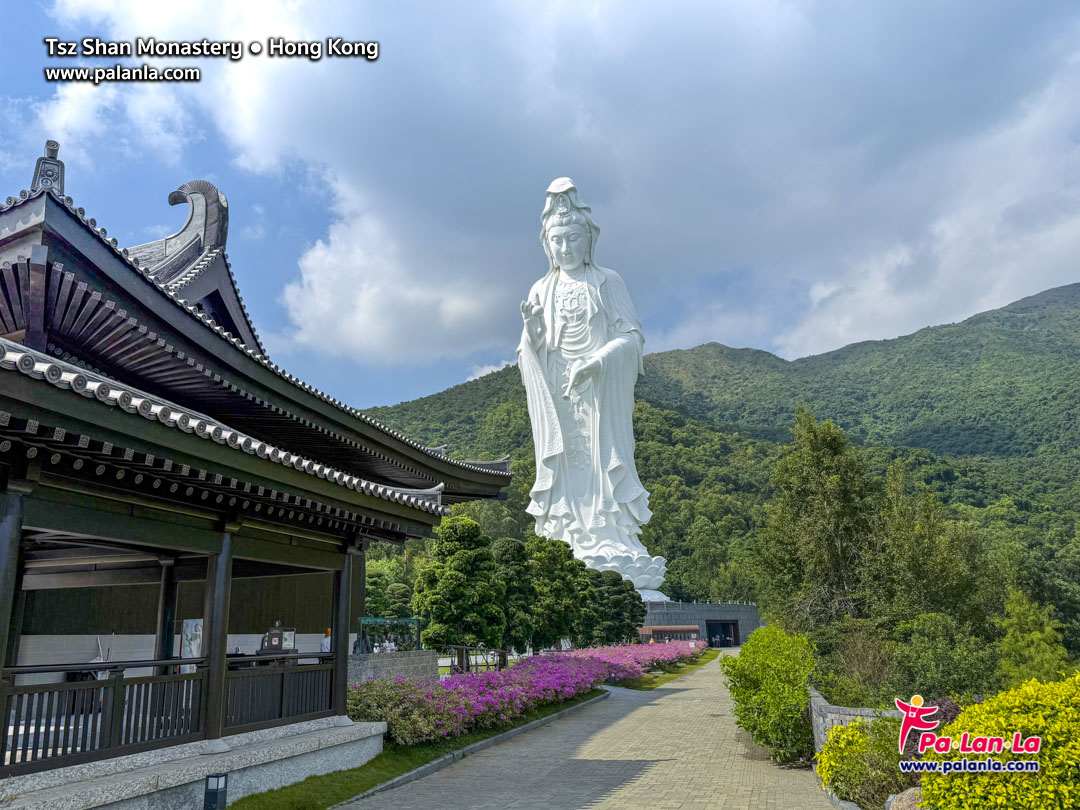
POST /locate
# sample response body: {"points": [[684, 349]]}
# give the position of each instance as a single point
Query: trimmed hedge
{"points": [[1048, 710], [769, 681]]}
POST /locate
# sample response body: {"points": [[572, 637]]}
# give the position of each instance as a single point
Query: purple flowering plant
{"points": [[417, 712]]}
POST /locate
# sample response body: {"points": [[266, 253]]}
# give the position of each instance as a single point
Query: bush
{"points": [[430, 710], [413, 712], [769, 681], [860, 762], [936, 656], [1048, 710]]}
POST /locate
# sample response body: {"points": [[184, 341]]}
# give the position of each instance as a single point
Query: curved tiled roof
{"points": [[209, 323], [16, 357]]}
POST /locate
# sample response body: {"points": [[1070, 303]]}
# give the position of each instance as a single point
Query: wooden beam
{"points": [[97, 523], [35, 303]]}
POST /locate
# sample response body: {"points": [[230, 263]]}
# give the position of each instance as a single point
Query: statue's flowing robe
{"points": [[587, 491]]}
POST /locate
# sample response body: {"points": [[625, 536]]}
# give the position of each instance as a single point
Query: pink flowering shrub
{"points": [[640, 658], [429, 710]]}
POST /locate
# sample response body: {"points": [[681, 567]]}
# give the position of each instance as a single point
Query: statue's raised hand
{"points": [[533, 315]]}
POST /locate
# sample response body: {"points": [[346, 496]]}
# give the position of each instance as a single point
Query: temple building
{"points": [[160, 477]]}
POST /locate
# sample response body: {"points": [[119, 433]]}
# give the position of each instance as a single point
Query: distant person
{"points": [[327, 641]]}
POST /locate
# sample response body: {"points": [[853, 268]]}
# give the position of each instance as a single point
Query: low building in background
{"points": [[720, 624]]}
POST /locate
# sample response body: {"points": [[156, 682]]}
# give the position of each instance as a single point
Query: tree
{"points": [[818, 522], [625, 608], [512, 569], [593, 619], [556, 576], [399, 601], [1032, 645], [457, 590], [375, 601], [920, 560]]}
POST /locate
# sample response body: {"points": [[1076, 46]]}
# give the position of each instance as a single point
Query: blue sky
{"points": [[787, 176]]}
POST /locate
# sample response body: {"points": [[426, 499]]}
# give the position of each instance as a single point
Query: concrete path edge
{"points": [[476, 747]]}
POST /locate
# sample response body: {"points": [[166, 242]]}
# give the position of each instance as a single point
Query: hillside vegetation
{"points": [[982, 413]]}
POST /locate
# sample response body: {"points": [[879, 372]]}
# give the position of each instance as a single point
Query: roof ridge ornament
{"points": [[211, 219], [49, 170]]}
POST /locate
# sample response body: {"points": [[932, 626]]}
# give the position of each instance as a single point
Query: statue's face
{"points": [[569, 244]]}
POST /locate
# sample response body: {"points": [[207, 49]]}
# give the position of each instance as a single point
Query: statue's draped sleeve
{"points": [[621, 363], [547, 437]]}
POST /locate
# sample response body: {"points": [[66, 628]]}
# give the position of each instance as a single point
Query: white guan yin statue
{"points": [[580, 357]]}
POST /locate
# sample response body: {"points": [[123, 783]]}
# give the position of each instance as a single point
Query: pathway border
{"points": [[461, 753]]}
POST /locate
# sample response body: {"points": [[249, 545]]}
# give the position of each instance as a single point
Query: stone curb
{"points": [[454, 756]]}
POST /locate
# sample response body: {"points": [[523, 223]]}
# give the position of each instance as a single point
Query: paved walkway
{"points": [[674, 748]]}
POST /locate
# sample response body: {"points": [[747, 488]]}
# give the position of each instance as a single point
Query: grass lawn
{"points": [[319, 792], [656, 679]]}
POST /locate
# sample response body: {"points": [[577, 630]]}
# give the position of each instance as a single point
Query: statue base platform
{"points": [[646, 572], [650, 595]]}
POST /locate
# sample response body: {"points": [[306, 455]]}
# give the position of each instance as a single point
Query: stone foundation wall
{"points": [[415, 665], [823, 716], [173, 778]]}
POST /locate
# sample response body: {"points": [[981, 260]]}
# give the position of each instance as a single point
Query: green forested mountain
{"points": [[984, 412], [1002, 383]]}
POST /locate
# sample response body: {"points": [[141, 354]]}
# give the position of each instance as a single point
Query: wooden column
{"points": [[340, 632], [215, 634], [10, 540], [362, 576], [166, 614]]}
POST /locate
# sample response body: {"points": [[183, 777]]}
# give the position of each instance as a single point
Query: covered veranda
{"points": [[98, 495]]}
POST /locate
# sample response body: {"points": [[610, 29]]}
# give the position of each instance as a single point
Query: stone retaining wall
{"points": [[824, 715], [414, 665]]}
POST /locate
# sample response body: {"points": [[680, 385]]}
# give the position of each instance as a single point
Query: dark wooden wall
{"points": [[301, 601]]}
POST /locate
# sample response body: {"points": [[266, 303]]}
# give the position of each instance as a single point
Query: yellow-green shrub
{"points": [[769, 681], [1048, 710], [860, 762]]}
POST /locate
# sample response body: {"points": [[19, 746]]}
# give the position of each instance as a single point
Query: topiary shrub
{"points": [[860, 762], [1048, 710], [769, 682]]}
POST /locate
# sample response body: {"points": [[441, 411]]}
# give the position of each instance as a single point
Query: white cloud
{"points": [[476, 372], [255, 227], [868, 181], [357, 297], [1005, 223]]}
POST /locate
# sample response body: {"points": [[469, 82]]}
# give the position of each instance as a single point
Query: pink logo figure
{"points": [[915, 717]]}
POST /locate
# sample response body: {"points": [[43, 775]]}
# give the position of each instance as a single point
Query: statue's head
{"points": [[567, 231]]}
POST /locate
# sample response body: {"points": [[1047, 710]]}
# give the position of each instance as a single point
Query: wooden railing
{"points": [[50, 725], [278, 689], [54, 724], [476, 659]]}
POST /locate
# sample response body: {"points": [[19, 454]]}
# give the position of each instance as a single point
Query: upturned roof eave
{"points": [[61, 218]]}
